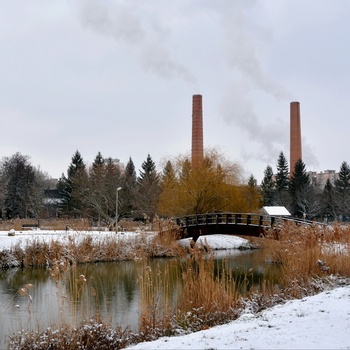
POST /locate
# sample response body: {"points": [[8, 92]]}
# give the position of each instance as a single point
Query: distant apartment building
{"points": [[319, 179], [116, 161]]}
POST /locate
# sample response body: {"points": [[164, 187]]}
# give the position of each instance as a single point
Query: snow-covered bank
{"points": [[22, 238], [101, 244], [25, 237], [317, 322]]}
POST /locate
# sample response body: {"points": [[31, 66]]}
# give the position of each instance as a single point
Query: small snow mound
{"points": [[12, 232], [219, 242], [247, 317]]}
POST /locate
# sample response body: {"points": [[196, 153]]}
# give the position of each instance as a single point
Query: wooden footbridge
{"points": [[240, 224]]}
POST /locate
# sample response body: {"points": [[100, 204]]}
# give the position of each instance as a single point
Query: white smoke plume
{"points": [[125, 22], [245, 44]]}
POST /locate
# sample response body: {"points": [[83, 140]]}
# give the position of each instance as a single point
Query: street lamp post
{"points": [[116, 209]]}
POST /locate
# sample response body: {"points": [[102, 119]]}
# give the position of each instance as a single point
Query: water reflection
{"points": [[249, 269], [107, 290]]}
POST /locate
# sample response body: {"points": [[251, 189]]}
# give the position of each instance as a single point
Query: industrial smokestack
{"points": [[295, 135], [197, 130]]}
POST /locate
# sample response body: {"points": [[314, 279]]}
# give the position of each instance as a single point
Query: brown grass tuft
{"points": [[308, 252]]}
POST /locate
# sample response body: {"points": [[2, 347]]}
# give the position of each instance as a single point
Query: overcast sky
{"points": [[118, 77]]}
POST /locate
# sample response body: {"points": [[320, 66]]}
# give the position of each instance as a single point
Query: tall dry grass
{"points": [[209, 296], [201, 298], [308, 253], [80, 247], [83, 248], [156, 304]]}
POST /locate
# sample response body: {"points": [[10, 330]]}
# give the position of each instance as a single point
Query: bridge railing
{"points": [[251, 219]]}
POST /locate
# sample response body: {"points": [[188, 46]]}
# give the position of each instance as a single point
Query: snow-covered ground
{"points": [[316, 322], [24, 237]]}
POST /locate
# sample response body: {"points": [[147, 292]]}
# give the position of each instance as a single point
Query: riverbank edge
{"points": [[78, 247]]}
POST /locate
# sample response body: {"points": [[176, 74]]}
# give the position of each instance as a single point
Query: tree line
{"points": [[91, 192], [301, 196], [21, 188], [180, 188]]}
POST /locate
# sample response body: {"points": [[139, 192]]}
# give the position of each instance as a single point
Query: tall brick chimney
{"points": [[295, 135], [197, 130]]}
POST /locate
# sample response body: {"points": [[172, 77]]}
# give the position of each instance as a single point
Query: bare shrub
{"points": [[8, 259], [89, 336]]}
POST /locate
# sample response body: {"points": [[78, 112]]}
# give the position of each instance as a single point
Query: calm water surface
{"points": [[111, 290]]}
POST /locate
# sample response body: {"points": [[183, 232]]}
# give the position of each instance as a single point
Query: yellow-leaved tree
{"points": [[214, 185]]}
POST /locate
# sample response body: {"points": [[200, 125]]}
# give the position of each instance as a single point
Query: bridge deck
{"points": [[243, 224]]}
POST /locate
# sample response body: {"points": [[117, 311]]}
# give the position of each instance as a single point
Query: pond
{"points": [[37, 298]]}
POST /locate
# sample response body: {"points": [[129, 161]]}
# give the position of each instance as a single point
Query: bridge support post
{"points": [[238, 219], [272, 220], [249, 219]]}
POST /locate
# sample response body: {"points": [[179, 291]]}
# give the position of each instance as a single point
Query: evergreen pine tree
{"points": [[148, 188], [19, 187], [282, 182], [95, 198], [97, 173], [130, 171], [98, 164], [76, 166], [148, 173], [328, 201], [72, 188], [252, 196], [282, 175], [342, 187], [112, 182], [252, 181], [268, 187], [299, 190], [129, 189]]}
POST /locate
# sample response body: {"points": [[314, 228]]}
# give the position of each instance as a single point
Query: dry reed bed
{"points": [[84, 248], [310, 259], [308, 253]]}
